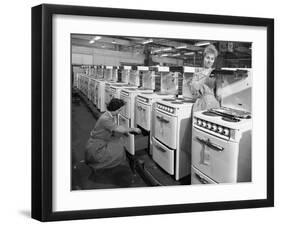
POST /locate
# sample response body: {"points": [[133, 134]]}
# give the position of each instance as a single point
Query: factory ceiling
{"points": [[161, 47]]}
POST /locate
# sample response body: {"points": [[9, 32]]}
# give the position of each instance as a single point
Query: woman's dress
{"points": [[104, 149], [202, 88]]}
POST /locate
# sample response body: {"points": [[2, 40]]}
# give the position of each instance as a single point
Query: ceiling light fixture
{"points": [[164, 55], [97, 38], [203, 43], [181, 47], [176, 54], [92, 41], [147, 41], [167, 49], [189, 53], [113, 42]]}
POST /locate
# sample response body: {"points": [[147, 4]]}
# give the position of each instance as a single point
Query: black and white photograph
{"points": [[149, 111]]}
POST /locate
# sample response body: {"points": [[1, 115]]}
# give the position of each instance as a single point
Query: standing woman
{"points": [[202, 85], [104, 149]]}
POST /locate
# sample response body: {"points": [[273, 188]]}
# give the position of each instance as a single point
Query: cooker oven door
{"points": [[163, 156], [116, 94], [92, 91], [102, 96], [88, 89], [215, 157], [143, 115], [126, 109], [97, 95], [128, 141], [107, 96], [199, 178], [111, 95], [166, 128]]}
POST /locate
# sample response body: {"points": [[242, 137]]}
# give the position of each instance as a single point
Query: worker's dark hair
{"points": [[115, 104]]}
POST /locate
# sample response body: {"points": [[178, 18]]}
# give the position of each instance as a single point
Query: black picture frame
{"points": [[42, 107]]}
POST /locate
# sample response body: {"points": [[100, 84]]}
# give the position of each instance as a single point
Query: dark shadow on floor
{"points": [[25, 213]]}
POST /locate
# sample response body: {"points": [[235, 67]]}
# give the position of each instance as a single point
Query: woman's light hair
{"points": [[211, 49]]}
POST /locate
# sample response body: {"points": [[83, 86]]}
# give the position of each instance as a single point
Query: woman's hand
{"points": [[137, 130], [134, 131], [219, 98]]}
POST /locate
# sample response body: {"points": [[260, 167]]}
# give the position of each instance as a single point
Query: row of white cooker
{"points": [[214, 146]]}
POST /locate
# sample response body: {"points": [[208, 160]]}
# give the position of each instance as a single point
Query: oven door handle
{"points": [[202, 141], [214, 146], [165, 120], [160, 148], [161, 119], [201, 179], [210, 144]]}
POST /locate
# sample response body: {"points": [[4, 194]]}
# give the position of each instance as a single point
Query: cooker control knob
{"points": [[209, 125], [199, 122], [220, 129], [214, 127], [195, 120], [204, 124], [226, 132]]}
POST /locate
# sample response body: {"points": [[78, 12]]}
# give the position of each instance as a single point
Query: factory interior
{"points": [[154, 77]]}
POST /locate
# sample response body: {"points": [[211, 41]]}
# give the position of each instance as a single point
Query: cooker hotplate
{"points": [[228, 114], [179, 100], [209, 113]]}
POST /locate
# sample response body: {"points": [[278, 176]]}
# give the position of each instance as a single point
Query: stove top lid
{"points": [[210, 113], [228, 114], [132, 89], [148, 93], [143, 88], [120, 85], [162, 94], [169, 99], [231, 119], [177, 102], [188, 101]]}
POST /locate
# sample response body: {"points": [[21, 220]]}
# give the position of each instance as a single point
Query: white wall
{"points": [[16, 110], [175, 62], [85, 55]]}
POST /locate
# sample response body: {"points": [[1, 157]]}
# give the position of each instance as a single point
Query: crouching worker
{"points": [[104, 149]]}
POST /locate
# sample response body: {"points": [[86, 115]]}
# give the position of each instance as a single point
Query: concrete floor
{"points": [[83, 177]]}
